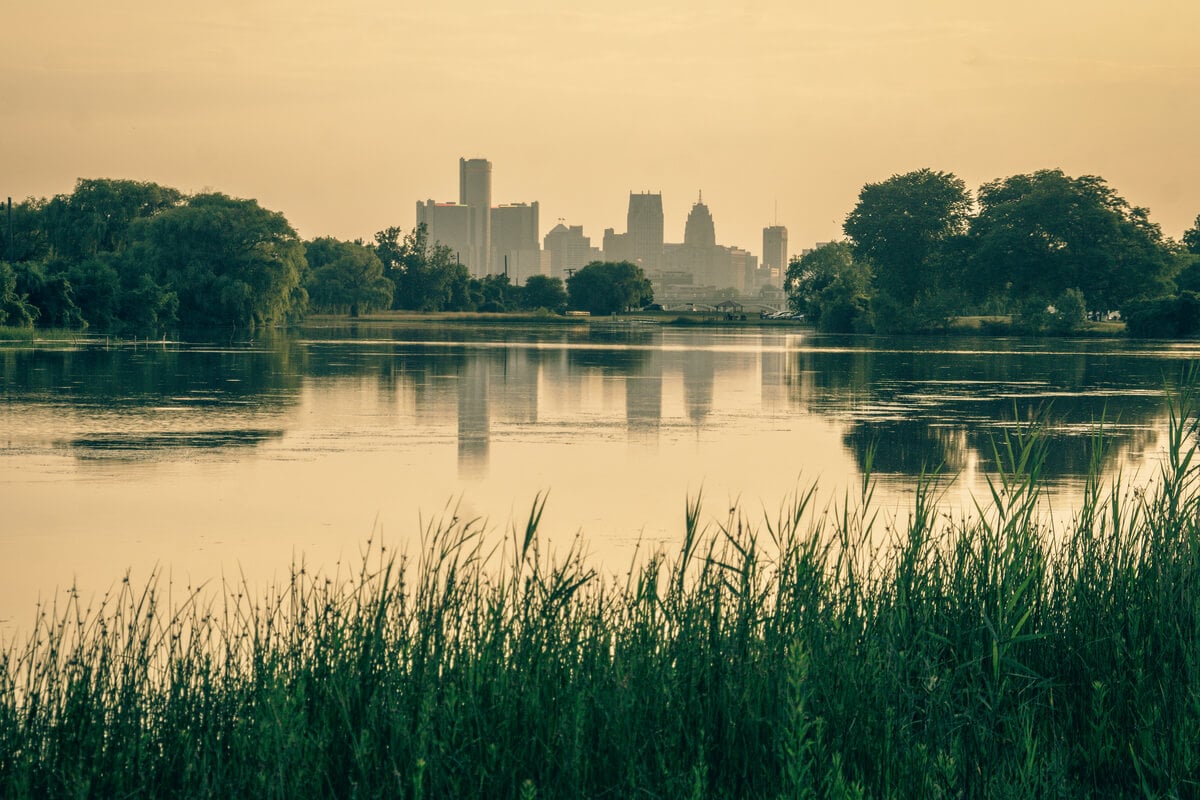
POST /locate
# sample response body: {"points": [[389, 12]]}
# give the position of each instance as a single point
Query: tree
{"points": [[831, 288], [14, 307], [1163, 318], [496, 293], [1191, 237], [542, 291], [97, 290], [50, 293], [606, 287], [228, 262], [1038, 235], [427, 276], [902, 224], [346, 277], [29, 239], [98, 215]]}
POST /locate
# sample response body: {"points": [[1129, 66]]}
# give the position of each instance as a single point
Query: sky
{"points": [[343, 115]]}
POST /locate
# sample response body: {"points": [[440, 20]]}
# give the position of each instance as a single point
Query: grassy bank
{"points": [[990, 657], [29, 335], [1003, 325]]}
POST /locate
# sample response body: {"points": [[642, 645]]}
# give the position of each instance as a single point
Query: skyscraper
{"points": [[475, 192], [708, 263], [569, 249], [645, 229], [448, 224], [699, 230], [515, 244], [775, 255]]}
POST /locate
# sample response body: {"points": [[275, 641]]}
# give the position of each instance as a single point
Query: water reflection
{"points": [[154, 445], [933, 405], [920, 404], [643, 399], [474, 424], [148, 402], [198, 455]]}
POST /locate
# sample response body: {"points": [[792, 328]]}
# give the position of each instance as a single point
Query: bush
{"points": [[1164, 318]]}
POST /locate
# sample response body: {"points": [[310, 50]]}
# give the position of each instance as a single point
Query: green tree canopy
{"points": [[97, 216], [427, 276], [345, 277], [228, 261], [14, 307], [1038, 235], [831, 288], [50, 293], [902, 225], [606, 287], [1191, 237], [542, 291], [30, 241]]}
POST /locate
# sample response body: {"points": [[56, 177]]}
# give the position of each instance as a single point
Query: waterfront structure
{"points": [[475, 192], [515, 245], [774, 253], [448, 224], [644, 227]]}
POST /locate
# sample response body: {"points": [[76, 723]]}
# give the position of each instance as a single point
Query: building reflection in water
{"points": [[699, 375], [643, 399], [915, 411], [474, 426], [773, 368], [513, 385]]}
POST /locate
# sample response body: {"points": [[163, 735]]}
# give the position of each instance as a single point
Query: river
{"points": [[216, 462]]}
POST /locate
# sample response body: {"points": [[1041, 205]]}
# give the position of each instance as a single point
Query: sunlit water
{"points": [[214, 462]]}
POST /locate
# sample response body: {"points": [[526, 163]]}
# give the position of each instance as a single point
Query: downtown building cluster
{"points": [[504, 239]]}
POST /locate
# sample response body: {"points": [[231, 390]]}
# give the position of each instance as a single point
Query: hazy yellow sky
{"points": [[343, 114]]}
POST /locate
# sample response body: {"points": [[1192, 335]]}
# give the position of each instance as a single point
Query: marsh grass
{"points": [[28, 334], [990, 656]]}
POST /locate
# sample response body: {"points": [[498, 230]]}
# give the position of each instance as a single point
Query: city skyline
{"points": [[340, 117], [697, 262]]}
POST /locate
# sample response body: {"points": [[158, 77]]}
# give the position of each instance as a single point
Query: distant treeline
{"points": [[137, 258], [1045, 249]]}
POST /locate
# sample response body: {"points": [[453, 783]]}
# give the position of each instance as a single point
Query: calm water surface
{"points": [[217, 461]]}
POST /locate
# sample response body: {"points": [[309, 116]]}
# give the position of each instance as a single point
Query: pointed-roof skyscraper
{"points": [[699, 230]]}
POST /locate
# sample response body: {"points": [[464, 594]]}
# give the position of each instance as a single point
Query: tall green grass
{"points": [[798, 657]]}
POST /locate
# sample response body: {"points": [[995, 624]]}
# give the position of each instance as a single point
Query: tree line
{"points": [[1045, 249], [137, 258]]}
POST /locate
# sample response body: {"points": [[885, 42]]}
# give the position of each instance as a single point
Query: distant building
{"points": [[616, 246], [774, 257], [448, 224], [707, 262], [568, 249], [475, 192], [700, 230], [644, 228], [515, 244]]}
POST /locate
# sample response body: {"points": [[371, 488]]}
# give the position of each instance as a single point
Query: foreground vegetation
{"points": [[825, 653]]}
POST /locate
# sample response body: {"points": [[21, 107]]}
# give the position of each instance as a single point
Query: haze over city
{"points": [[341, 116]]}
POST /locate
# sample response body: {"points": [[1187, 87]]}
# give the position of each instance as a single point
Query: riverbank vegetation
{"points": [[824, 652], [1048, 250]]}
